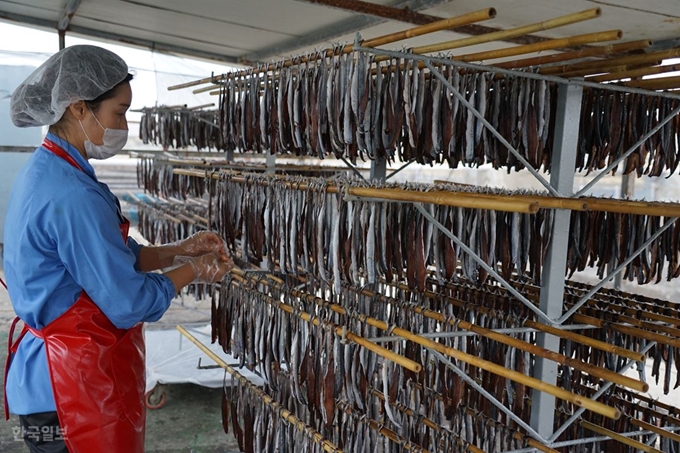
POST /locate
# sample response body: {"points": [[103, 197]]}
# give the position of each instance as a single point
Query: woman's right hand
{"points": [[210, 268]]}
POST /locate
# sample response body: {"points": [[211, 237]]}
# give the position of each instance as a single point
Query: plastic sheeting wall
{"points": [[11, 162]]}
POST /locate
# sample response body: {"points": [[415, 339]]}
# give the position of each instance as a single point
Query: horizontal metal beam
{"points": [[327, 34], [17, 149], [126, 40]]}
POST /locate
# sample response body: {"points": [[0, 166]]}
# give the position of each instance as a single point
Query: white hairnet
{"points": [[73, 74]]}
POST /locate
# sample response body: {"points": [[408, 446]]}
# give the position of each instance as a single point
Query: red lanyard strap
{"points": [[59, 151]]}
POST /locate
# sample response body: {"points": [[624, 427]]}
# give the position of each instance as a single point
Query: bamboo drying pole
{"points": [[435, 197], [661, 83], [231, 165], [647, 58], [582, 339], [444, 24], [603, 346], [633, 207], [239, 276], [552, 44], [491, 367], [655, 429], [618, 437], [425, 421], [634, 73], [585, 319], [634, 331], [589, 203], [269, 401], [630, 307], [574, 204], [513, 32], [593, 370], [607, 50], [605, 70], [380, 428]]}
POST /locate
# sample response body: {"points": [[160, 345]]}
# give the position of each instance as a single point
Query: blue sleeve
{"points": [[85, 228], [135, 248]]}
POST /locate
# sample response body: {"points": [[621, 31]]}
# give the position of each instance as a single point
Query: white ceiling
{"points": [[232, 30]]}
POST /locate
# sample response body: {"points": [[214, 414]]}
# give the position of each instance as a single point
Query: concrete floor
{"points": [[189, 422]]}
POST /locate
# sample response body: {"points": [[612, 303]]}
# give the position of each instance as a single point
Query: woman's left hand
{"points": [[202, 243]]}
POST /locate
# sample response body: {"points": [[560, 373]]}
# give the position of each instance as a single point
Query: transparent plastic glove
{"points": [[202, 243], [195, 245], [209, 268]]}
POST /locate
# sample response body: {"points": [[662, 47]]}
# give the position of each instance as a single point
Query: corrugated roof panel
{"points": [[639, 20], [190, 30], [257, 28], [287, 17]]}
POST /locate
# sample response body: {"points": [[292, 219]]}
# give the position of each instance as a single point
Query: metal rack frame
{"points": [[561, 184]]}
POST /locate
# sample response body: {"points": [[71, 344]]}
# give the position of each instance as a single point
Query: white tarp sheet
{"points": [[173, 359]]}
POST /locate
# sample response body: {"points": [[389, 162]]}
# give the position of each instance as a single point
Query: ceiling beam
{"points": [[123, 39], [327, 34], [404, 14], [411, 16]]}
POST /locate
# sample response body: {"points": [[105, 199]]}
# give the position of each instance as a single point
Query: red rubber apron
{"points": [[97, 372]]}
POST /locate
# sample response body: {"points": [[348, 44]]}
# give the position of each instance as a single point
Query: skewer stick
{"points": [[619, 438], [513, 32], [444, 24], [577, 40], [276, 407], [566, 56]]}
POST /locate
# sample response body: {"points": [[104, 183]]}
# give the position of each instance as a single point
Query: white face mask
{"points": [[114, 140]]}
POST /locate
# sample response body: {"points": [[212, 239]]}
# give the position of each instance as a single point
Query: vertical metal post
{"points": [[554, 268], [627, 190], [270, 163], [62, 39], [229, 154], [378, 169]]}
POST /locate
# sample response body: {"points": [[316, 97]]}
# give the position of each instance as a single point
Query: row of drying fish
{"points": [[441, 379], [612, 122], [606, 239], [180, 128], [634, 408], [319, 377], [156, 177], [355, 240], [508, 242], [621, 326], [351, 106]]}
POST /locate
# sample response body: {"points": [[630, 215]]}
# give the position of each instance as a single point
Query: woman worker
{"points": [[79, 284]]}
